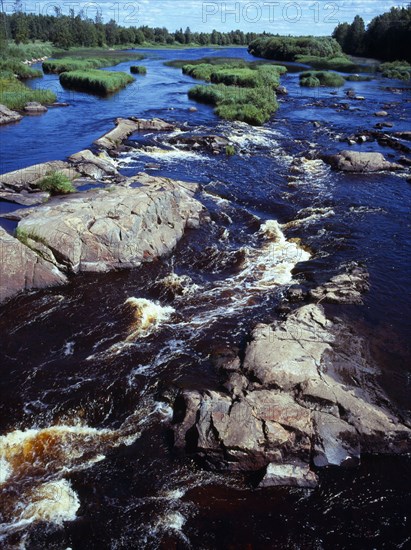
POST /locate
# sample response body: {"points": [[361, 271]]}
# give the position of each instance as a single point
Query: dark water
{"points": [[66, 361]]}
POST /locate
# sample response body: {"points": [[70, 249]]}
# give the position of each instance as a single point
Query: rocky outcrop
{"points": [[34, 108], [7, 115], [345, 288], [24, 198], [104, 230], [93, 166], [23, 269], [303, 397], [214, 144], [355, 161], [26, 178], [127, 126]]}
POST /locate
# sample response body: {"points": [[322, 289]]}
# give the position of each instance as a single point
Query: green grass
{"points": [[251, 105], [231, 61], [95, 81], [56, 183], [79, 63], [324, 78], [138, 69], [358, 78], [14, 94], [18, 68], [29, 51], [288, 48], [340, 63], [400, 70], [230, 150]]}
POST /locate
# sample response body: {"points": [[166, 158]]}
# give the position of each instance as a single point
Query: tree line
{"points": [[65, 31], [387, 36]]}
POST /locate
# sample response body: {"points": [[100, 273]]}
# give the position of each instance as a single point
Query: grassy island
{"points": [[313, 79], [138, 69], [95, 81]]}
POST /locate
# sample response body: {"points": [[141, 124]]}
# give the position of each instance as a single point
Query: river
{"points": [[85, 413]]}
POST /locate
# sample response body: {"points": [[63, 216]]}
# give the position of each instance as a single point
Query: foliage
{"points": [[230, 150], [358, 78], [287, 48], [95, 81], [138, 69], [14, 94], [56, 183], [79, 63], [232, 61], [252, 105], [28, 51], [19, 69], [386, 37], [340, 63], [400, 70], [324, 78]]}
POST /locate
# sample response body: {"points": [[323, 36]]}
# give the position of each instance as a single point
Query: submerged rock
{"points": [[355, 161], [7, 115], [213, 143], [304, 397], [346, 288]]}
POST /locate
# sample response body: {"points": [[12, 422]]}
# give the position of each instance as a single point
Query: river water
{"points": [[86, 457]]}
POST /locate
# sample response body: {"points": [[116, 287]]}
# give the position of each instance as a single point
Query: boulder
{"points": [[7, 115], [22, 269], [26, 178], [346, 288], [381, 113], [109, 229], [211, 142], [33, 107], [93, 166], [355, 161], [303, 397], [127, 126]]}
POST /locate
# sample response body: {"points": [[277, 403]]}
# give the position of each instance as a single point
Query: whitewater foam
{"points": [[148, 316]]}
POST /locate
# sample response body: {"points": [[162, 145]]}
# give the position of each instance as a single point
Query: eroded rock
{"points": [[7, 115], [355, 161], [127, 126], [346, 288]]}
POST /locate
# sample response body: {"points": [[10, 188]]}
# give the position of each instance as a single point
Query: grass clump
{"points": [[340, 63], [14, 94], [399, 70], [231, 61], [324, 78], [358, 78], [230, 151], [251, 105], [82, 62], [56, 183], [19, 69], [95, 81], [138, 69], [34, 50]]}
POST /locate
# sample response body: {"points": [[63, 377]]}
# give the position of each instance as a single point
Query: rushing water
{"points": [[86, 457]]}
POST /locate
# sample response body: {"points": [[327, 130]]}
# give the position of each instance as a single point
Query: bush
{"points": [[230, 151], [324, 78], [14, 94], [95, 81], [138, 69], [287, 48], [56, 183], [400, 70]]}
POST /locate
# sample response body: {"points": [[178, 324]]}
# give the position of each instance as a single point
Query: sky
{"points": [[316, 17]]}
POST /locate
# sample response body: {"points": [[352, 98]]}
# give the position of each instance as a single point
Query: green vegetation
{"points": [[56, 183], [231, 61], [251, 78], [358, 78], [14, 94], [340, 63], [23, 52], [287, 48], [230, 150], [400, 70], [252, 105], [19, 69], [78, 63], [387, 36], [138, 69], [313, 79], [95, 81]]}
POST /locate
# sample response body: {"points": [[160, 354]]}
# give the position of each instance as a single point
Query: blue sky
{"points": [[277, 16]]}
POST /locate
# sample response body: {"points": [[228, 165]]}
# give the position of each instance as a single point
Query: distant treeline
{"points": [[387, 37], [65, 31]]}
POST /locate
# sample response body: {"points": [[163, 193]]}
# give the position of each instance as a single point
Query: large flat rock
{"points": [[7, 115], [127, 126], [356, 161]]}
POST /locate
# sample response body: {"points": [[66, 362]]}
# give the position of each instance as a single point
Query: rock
{"points": [[92, 165], [303, 396], [193, 109], [296, 293], [59, 104], [316, 124], [281, 90], [384, 125], [346, 288], [359, 98], [120, 228], [33, 107], [25, 199], [213, 143], [355, 161], [350, 94], [381, 113], [403, 135], [22, 269], [26, 178], [7, 115], [295, 475], [127, 126]]}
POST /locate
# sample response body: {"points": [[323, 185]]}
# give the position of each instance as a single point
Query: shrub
{"points": [[400, 70], [56, 183], [14, 94], [287, 48], [95, 81], [324, 78], [138, 69], [230, 151]]}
